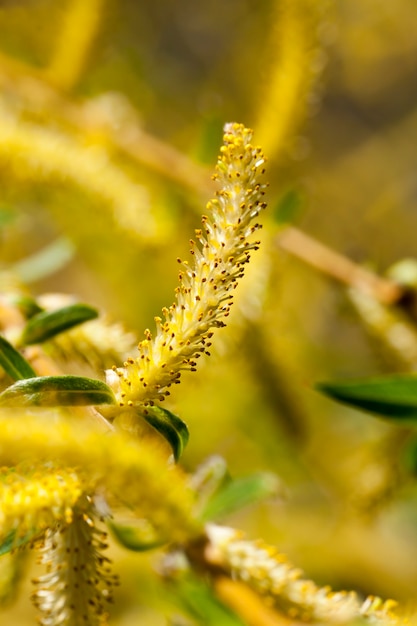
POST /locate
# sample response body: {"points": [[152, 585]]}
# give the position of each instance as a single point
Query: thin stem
{"points": [[338, 266]]}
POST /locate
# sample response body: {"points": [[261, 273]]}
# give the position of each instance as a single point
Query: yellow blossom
{"points": [[78, 582], [110, 462], [269, 573], [36, 500], [204, 294]]}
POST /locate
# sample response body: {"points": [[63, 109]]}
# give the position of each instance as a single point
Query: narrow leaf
{"points": [[13, 363], [209, 478], [169, 426], [198, 600], [137, 535], [26, 305], [10, 542], [47, 324], [288, 207], [7, 216], [57, 391], [409, 456], [241, 492], [394, 397]]}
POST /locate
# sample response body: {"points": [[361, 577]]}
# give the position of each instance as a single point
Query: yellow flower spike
{"points": [[274, 578], [113, 462], [293, 61], [78, 583], [81, 22], [203, 297], [36, 501]]}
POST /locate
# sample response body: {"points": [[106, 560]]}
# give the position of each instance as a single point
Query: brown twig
{"points": [[338, 266]]}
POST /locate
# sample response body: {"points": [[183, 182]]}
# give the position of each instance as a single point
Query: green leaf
{"points": [[7, 216], [409, 456], [394, 397], [57, 391], [47, 324], [288, 207], [169, 426], [209, 478], [26, 305], [199, 601], [136, 535], [241, 492], [9, 542], [13, 363]]}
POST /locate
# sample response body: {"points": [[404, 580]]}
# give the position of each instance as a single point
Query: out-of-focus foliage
{"points": [[111, 114]]}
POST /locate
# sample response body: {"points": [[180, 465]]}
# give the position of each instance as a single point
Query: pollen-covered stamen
{"points": [[271, 575], [78, 584], [202, 298], [32, 501]]}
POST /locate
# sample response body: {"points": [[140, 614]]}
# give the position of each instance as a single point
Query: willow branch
{"points": [[338, 266]]}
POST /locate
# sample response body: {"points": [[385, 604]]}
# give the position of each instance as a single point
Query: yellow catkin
{"points": [[294, 58], [270, 574], [34, 501], [204, 294], [78, 582], [112, 462], [79, 27]]}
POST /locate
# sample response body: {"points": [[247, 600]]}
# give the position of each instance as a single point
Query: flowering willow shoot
{"points": [[74, 472], [204, 295]]}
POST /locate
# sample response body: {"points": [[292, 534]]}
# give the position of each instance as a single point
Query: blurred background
{"points": [[111, 116]]}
